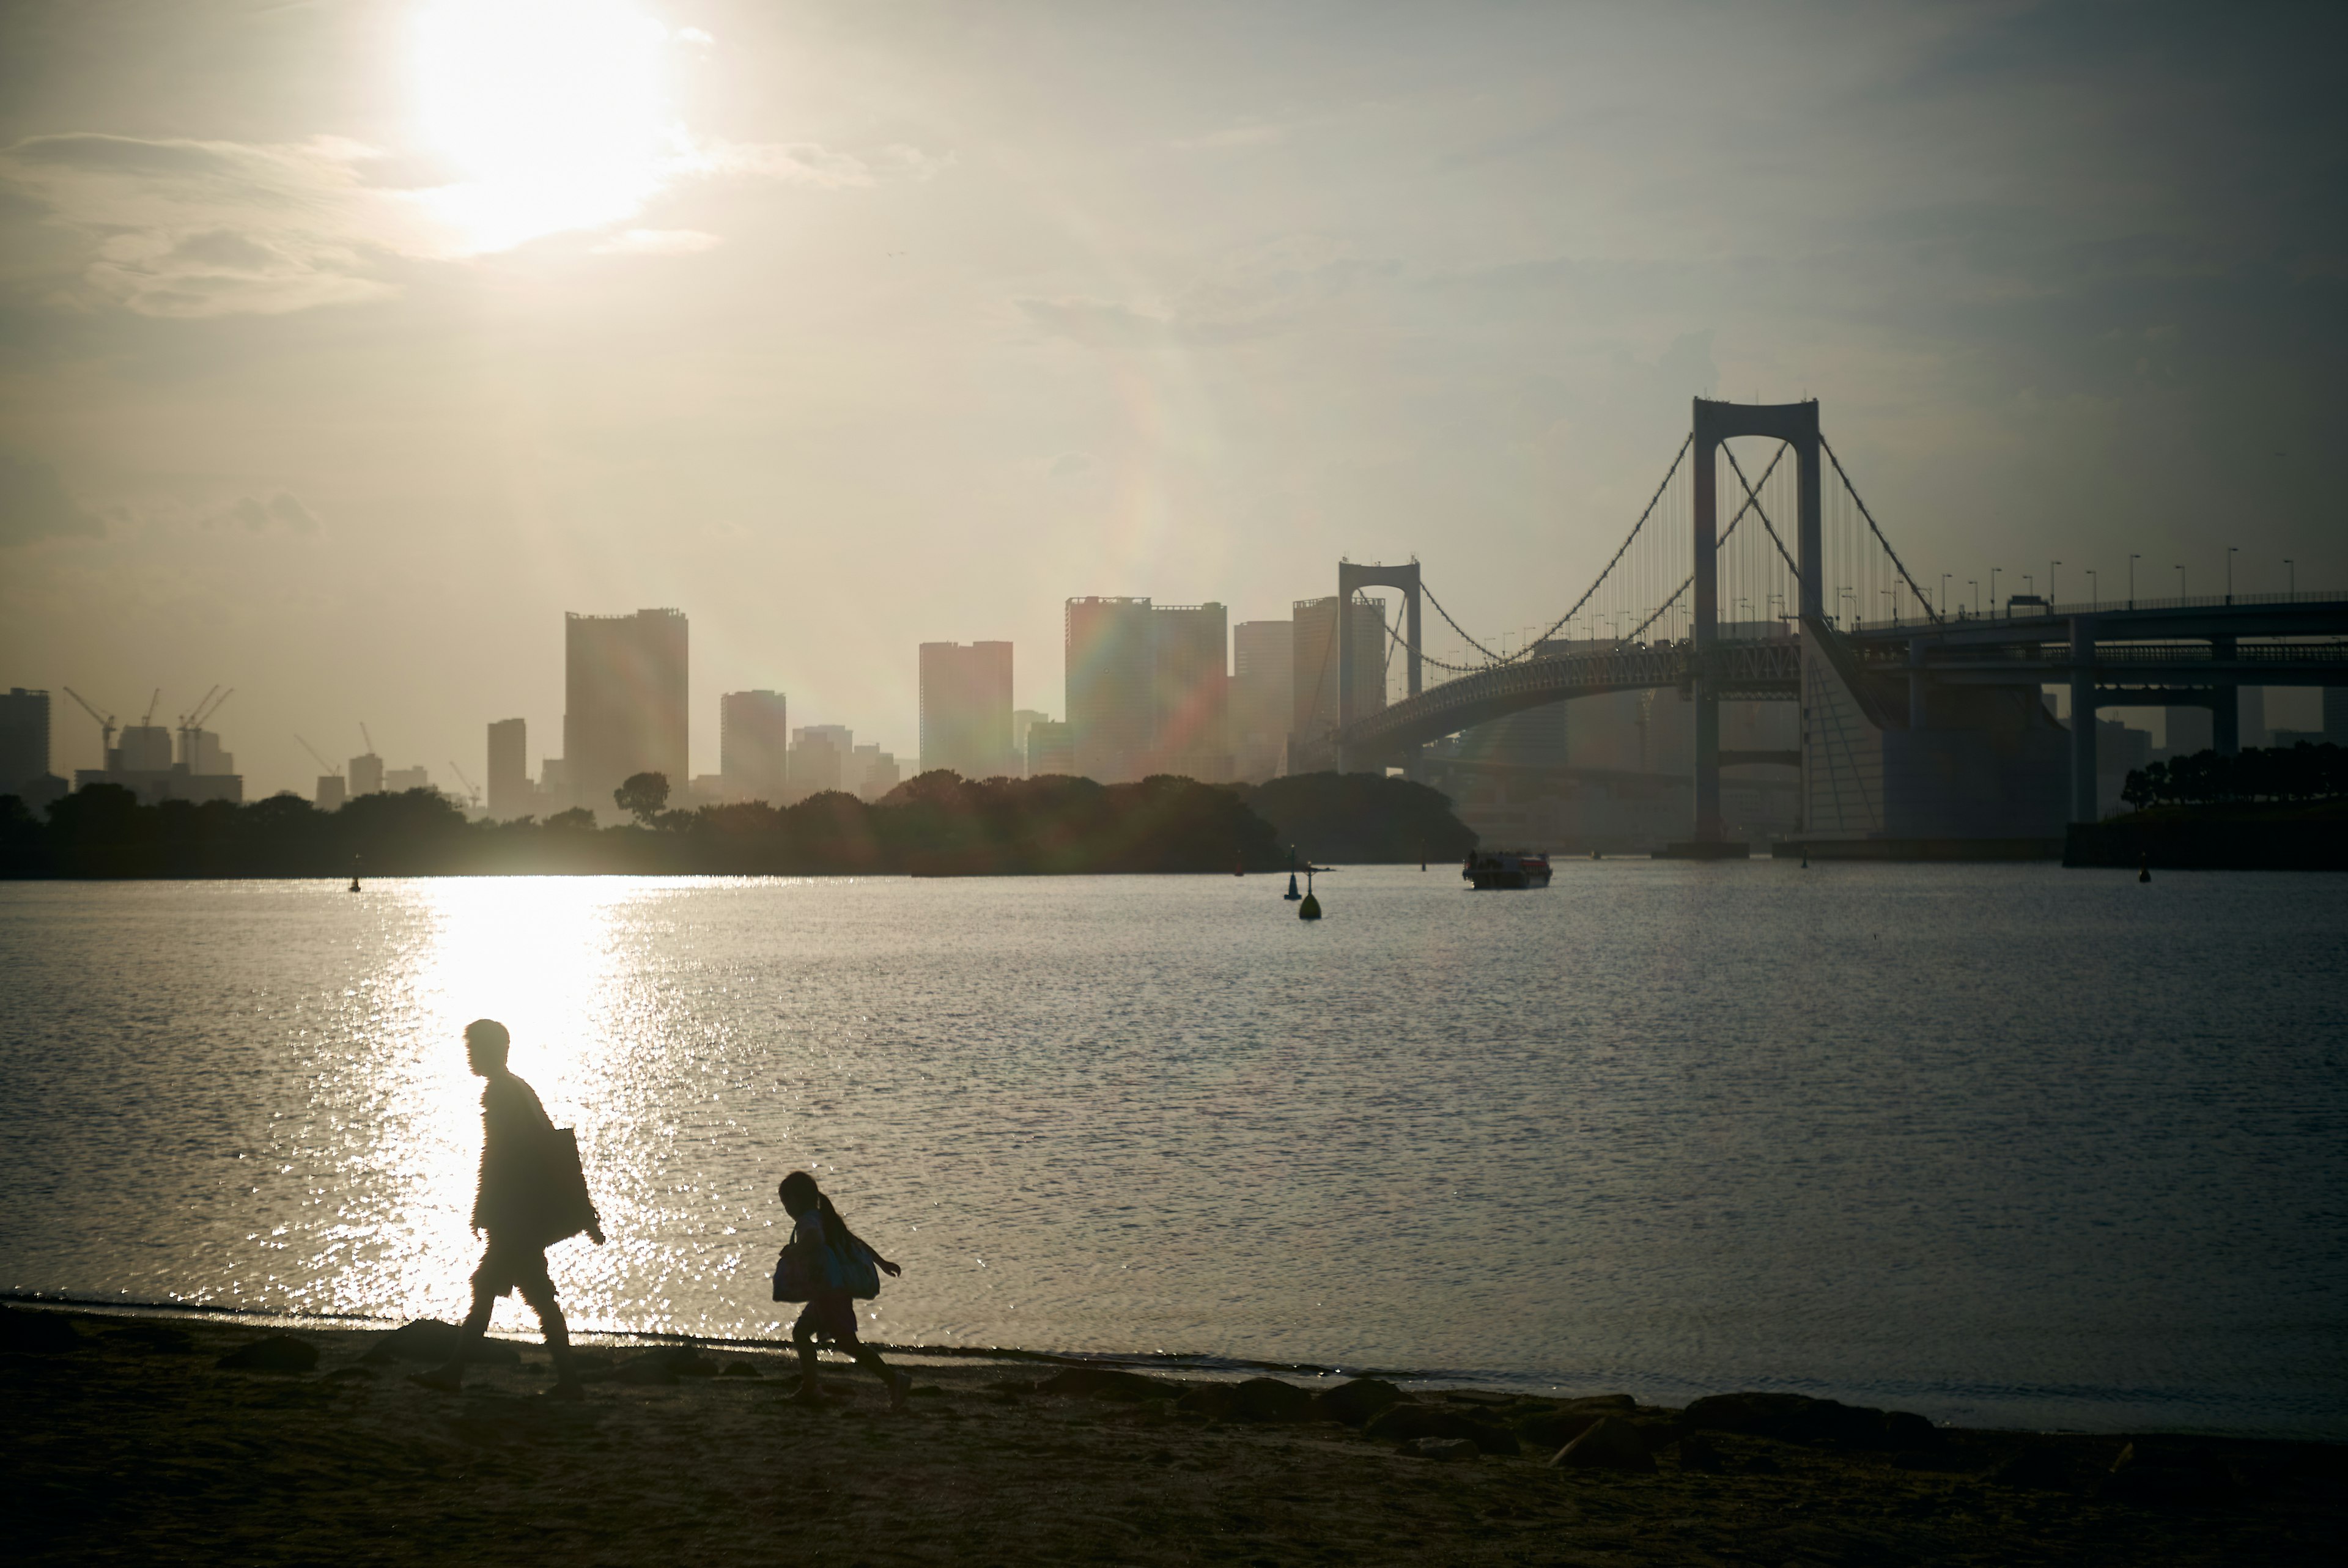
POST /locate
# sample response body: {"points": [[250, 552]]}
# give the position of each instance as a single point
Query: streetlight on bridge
{"points": [[2050, 585], [2180, 583], [1993, 582], [1975, 583], [2232, 550], [2132, 560], [2291, 567], [2094, 594]]}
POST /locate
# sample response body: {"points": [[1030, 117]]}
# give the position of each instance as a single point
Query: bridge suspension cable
{"points": [[1853, 491], [1527, 650], [1752, 504]]}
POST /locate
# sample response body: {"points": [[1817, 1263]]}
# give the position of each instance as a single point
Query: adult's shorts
{"points": [[506, 1268]]}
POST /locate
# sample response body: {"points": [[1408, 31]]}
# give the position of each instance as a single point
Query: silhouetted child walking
{"points": [[827, 1266]]}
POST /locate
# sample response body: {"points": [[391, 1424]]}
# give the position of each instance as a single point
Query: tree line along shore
{"points": [[938, 824]]}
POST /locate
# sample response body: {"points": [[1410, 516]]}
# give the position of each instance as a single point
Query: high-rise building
{"points": [[2250, 706], [399, 781], [966, 708], [624, 702], [1112, 687], [820, 755], [1263, 678], [200, 753], [330, 791], [1022, 721], [754, 739], [24, 739], [366, 774], [1051, 750], [509, 790], [2187, 732], [143, 748], [1191, 691], [1313, 666], [869, 771]]}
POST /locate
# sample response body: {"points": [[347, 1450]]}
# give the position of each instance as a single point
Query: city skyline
{"points": [[1186, 304]]}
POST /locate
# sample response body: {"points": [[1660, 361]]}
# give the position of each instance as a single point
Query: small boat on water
{"points": [[1506, 868]]}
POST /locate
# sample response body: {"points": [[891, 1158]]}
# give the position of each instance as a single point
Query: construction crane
{"points": [[106, 726], [473, 792], [319, 760], [367, 738], [148, 722]]}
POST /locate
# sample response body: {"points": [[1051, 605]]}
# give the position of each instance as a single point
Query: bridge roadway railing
{"points": [[1747, 667]]}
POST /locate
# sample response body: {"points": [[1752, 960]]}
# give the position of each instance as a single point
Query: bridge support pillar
{"points": [[1797, 424], [2225, 706], [2083, 718], [1352, 578]]}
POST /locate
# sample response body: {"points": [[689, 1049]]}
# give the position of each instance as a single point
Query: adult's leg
{"points": [[539, 1292], [489, 1283]]}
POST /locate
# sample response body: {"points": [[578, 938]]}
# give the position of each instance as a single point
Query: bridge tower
{"points": [[1797, 424], [1352, 576]]}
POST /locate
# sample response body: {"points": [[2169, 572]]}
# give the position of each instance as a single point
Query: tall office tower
{"points": [[24, 738], [554, 792], [366, 774], [1051, 750], [753, 741], [200, 753], [143, 748], [2250, 706], [509, 790], [1022, 721], [966, 708], [2335, 715], [1192, 692], [1112, 680], [820, 755], [871, 773], [1314, 669], [2186, 731], [399, 781], [330, 791], [623, 703], [1262, 680]]}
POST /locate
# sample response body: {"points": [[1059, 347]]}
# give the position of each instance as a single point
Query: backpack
{"points": [[566, 1209]]}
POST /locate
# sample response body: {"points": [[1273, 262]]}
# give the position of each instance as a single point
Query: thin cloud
{"points": [[659, 242], [194, 228], [34, 505]]}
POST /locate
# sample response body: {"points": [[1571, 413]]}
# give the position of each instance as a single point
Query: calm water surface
{"points": [[2012, 1146]]}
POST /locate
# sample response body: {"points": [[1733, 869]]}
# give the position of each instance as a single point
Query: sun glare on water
{"points": [[555, 113]]}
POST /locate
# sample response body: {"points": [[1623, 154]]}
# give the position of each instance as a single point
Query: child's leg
{"points": [[897, 1383], [803, 1340]]}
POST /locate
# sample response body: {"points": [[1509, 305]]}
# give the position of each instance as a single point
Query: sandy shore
{"points": [[130, 1442]]}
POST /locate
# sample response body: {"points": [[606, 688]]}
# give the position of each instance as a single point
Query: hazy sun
{"points": [[556, 112]]}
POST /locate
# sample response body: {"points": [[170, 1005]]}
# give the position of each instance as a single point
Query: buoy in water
{"points": [[2143, 867], [354, 884], [1310, 909], [1292, 895]]}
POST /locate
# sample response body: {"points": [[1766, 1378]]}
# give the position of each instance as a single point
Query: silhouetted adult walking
{"points": [[826, 1265], [530, 1196]]}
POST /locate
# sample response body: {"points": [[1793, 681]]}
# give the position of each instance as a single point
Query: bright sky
{"points": [[344, 347]]}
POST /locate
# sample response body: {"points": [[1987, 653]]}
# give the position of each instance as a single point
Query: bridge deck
{"points": [[2157, 650]]}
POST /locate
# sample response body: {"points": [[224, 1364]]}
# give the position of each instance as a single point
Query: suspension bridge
{"points": [[1919, 721]]}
